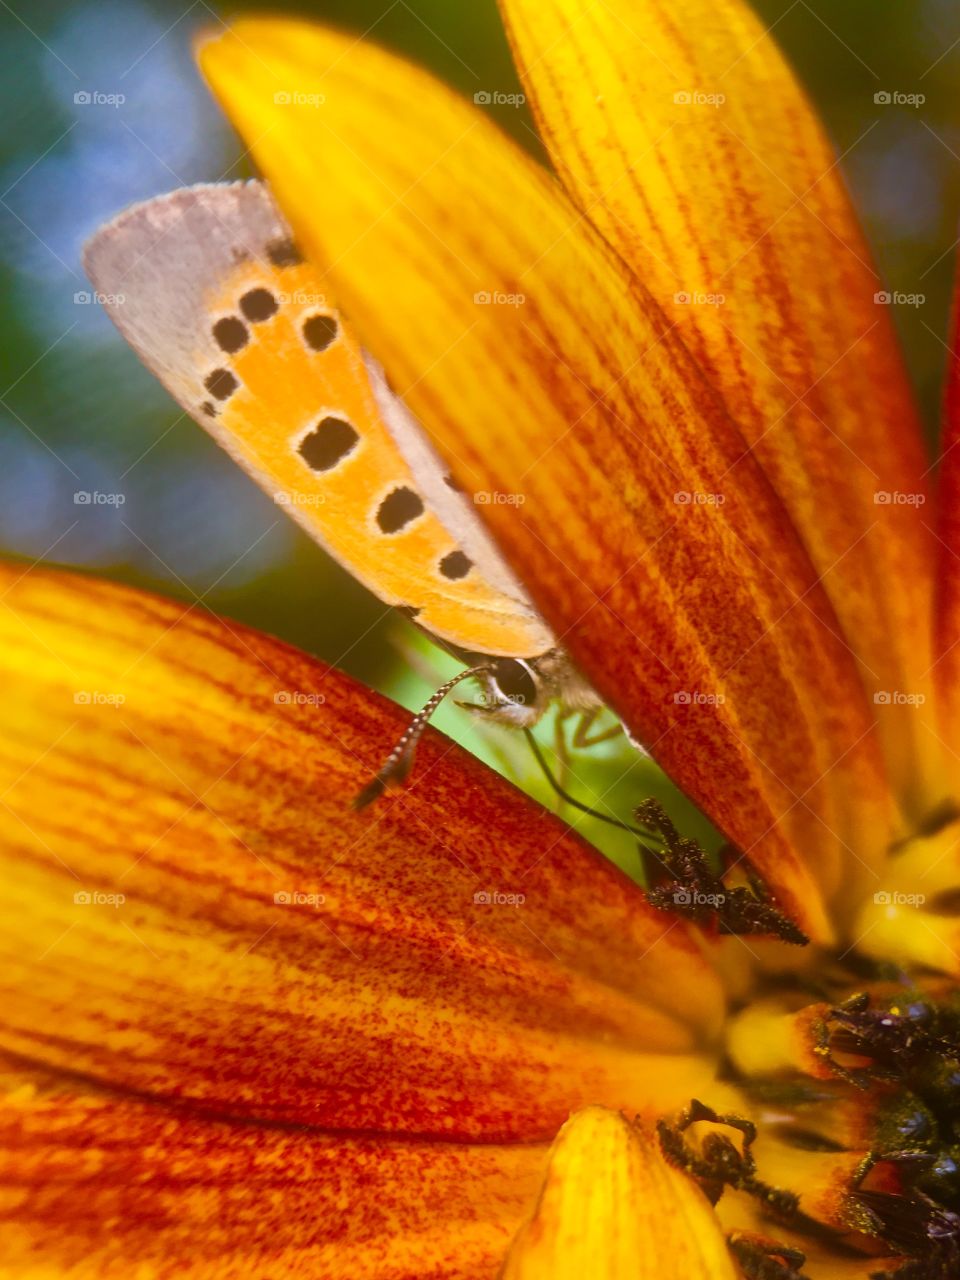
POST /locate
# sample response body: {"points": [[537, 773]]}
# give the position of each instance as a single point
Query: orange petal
{"points": [[195, 912], [611, 1207], [685, 138], [100, 1187], [701, 622]]}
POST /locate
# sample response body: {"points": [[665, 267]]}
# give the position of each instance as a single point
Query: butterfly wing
{"points": [[207, 286]]}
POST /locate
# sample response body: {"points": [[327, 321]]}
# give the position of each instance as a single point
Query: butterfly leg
{"points": [[582, 737]]}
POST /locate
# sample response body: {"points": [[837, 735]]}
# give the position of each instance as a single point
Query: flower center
{"points": [[848, 1142]]}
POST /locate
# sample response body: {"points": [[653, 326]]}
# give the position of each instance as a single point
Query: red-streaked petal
{"points": [[388, 988], [702, 622], [685, 138], [100, 1187]]}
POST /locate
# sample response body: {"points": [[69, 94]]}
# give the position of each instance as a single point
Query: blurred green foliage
{"points": [[79, 413]]}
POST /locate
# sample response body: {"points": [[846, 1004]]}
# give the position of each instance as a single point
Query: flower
{"points": [[255, 1034]]}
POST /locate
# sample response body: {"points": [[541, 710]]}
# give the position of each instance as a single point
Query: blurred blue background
{"points": [[78, 411]]}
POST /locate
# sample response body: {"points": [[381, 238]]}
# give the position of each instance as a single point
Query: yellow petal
{"points": [[910, 916], [684, 137], [768, 1038], [195, 913], [701, 621], [612, 1207], [947, 669], [100, 1187]]}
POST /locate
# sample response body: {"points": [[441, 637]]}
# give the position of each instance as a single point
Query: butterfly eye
{"points": [[515, 681]]}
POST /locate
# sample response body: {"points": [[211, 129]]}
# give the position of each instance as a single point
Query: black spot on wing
{"points": [[398, 509], [231, 334], [328, 444], [258, 305], [455, 565], [221, 384], [209, 409], [284, 253], [319, 331]]}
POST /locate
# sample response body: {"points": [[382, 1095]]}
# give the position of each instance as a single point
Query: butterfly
{"points": [[208, 287]]}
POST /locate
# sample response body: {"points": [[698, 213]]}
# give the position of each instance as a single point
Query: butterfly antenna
{"points": [[644, 833], [398, 763]]}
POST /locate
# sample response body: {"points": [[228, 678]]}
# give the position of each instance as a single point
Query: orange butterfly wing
{"points": [[214, 298]]}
